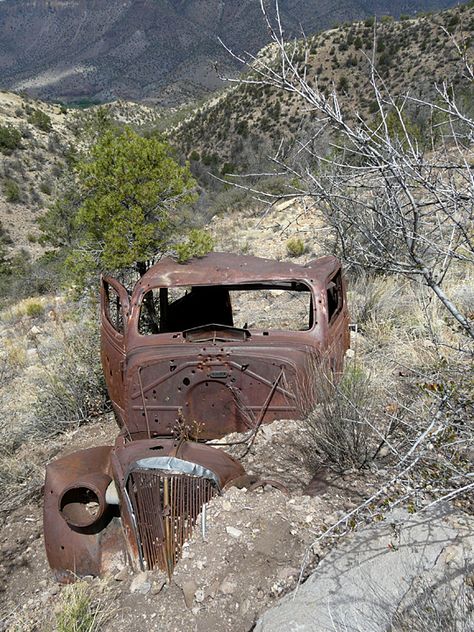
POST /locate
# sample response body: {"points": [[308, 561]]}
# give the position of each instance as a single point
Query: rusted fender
{"points": [[76, 536]]}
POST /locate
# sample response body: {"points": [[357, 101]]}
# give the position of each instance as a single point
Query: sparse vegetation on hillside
{"points": [[246, 125], [39, 119]]}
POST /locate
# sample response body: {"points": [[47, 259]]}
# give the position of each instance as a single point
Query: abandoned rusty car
{"points": [[197, 351]]}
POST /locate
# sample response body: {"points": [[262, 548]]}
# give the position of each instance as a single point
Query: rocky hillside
{"points": [[36, 141], [247, 122], [137, 49]]}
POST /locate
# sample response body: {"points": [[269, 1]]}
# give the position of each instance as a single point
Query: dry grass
{"points": [[405, 399], [342, 428], [79, 611], [431, 611], [52, 382]]}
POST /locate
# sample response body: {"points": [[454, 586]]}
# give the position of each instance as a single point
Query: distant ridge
{"points": [[157, 50]]}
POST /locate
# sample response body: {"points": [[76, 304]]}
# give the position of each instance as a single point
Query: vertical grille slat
{"points": [[166, 507]]}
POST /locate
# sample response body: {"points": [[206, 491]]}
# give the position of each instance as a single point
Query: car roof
{"points": [[220, 268]]}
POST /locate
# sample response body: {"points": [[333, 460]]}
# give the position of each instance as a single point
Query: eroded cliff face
{"points": [[159, 49]]}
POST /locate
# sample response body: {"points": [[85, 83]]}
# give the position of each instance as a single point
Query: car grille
{"points": [[166, 508]]}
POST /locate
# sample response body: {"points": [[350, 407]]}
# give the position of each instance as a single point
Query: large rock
{"points": [[381, 571]]}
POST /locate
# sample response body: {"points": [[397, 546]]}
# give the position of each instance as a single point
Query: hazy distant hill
{"points": [[148, 49]]}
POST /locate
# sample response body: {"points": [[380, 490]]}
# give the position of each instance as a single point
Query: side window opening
{"points": [[334, 296], [285, 306], [114, 309]]}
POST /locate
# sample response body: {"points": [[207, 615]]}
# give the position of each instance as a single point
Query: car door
{"points": [[338, 321], [114, 302]]}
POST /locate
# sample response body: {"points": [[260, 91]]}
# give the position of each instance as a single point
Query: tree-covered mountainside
{"points": [[148, 49]]}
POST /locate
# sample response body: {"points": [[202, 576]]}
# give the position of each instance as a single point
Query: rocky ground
{"points": [[252, 553]]}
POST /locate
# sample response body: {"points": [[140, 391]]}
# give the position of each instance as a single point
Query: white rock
{"points": [[227, 587], [199, 595], [233, 532]]}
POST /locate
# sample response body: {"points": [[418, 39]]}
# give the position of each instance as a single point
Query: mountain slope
{"points": [[148, 49], [246, 123]]}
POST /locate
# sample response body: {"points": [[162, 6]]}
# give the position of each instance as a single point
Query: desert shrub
{"points": [[71, 385], [12, 191], [228, 167], [343, 84], [10, 139], [41, 120], [45, 187], [295, 247], [450, 608], [197, 244], [341, 431], [34, 308]]}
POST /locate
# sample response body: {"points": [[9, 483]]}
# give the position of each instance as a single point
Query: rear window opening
{"points": [[282, 306]]}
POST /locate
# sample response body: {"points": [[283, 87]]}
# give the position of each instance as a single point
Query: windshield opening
{"points": [[264, 306]]}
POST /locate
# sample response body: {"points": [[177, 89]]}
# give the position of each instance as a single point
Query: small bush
{"points": [[340, 428], [34, 308], [228, 167], [40, 120], [295, 247], [15, 354], [12, 191], [197, 244], [343, 84], [46, 188], [71, 386], [10, 139]]}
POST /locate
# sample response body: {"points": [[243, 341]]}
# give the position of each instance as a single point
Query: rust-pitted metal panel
{"points": [[194, 375], [222, 391], [113, 338], [223, 379], [219, 268], [73, 551]]}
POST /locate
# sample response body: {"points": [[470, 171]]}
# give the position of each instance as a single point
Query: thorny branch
{"points": [[393, 204]]}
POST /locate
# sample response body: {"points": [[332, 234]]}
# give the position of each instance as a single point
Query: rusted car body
{"points": [[221, 344]]}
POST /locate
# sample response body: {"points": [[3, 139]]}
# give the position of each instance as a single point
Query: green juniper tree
{"points": [[129, 204]]}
